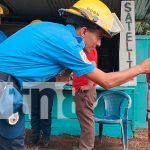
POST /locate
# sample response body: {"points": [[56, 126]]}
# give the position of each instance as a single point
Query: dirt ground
{"points": [[68, 142]]}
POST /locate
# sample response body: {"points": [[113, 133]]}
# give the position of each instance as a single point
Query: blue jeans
{"points": [[12, 144]]}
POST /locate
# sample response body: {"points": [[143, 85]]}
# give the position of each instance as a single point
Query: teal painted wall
{"points": [[142, 51], [64, 117]]}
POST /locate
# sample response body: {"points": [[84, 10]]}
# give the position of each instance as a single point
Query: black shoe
{"points": [[33, 140], [45, 141]]}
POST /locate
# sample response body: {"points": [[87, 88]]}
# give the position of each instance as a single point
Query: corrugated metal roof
{"points": [[48, 8], [36, 8], [142, 11]]}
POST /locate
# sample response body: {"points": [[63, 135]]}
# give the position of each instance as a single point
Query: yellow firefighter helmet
{"points": [[3, 10], [96, 12]]}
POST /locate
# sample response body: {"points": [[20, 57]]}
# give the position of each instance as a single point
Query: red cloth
{"points": [[82, 80]]}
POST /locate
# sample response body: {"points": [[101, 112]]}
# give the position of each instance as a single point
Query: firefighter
{"points": [[42, 50]]}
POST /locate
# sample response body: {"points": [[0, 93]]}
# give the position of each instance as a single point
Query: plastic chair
{"points": [[113, 105]]}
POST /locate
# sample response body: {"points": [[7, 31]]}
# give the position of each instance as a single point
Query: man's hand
{"points": [[145, 66], [85, 87]]}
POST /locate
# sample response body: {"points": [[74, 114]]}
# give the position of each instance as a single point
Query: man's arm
{"points": [[109, 80]]}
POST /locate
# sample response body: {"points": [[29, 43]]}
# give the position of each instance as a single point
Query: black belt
{"points": [[10, 78]]}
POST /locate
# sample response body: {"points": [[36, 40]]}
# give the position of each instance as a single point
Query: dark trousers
{"points": [[39, 125], [12, 144]]}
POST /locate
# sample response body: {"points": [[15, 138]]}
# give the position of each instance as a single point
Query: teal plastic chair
{"points": [[116, 105]]}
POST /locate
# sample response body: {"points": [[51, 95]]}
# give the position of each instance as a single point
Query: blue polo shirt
{"points": [[40, 51]]}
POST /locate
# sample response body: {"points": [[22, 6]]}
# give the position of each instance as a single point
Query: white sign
{"points": [[127, 52]]}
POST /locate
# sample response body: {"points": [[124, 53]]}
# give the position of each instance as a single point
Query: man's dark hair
{"points": [[79, 22]]}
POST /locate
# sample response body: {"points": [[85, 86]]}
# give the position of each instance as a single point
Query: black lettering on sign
{"points": [[129, 61], [128, 18], [127, 7], [128, 39], [129, 26], [127, 46], [129, 36]]}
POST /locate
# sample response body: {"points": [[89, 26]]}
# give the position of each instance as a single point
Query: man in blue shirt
{"points": [[41, 128], [40, 51]]}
